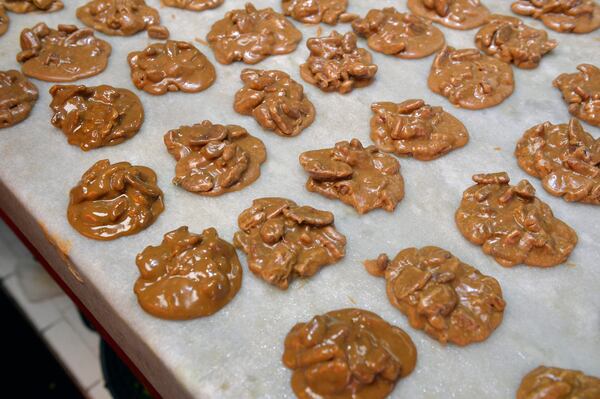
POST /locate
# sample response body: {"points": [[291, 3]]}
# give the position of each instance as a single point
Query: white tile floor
{"points": [[56, 318]]}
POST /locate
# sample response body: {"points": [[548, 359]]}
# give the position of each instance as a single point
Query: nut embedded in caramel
{"points": [[565, 157], [276, 101], [336, 63], [567, 16], [315, 11], [347, 353], [17, 97], [251, 35], [510, 40], [25, 6], [455, 14], [63, 54], [556, 383], [512, 224], [158, 32], [115, 200], [470, 79], [581, 91], [93, 117], [4, 20], [171, 66], [448, 299], [214, 159], [364, 178], [193, 5], [188, 275], [413, 128], [283, 240], [402, 35], [118, 17]]}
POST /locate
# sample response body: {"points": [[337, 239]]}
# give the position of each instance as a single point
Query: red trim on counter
{"points": [[88, 315]]}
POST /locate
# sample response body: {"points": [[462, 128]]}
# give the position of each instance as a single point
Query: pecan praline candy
{"points": [[114, 200], [347, 353]]}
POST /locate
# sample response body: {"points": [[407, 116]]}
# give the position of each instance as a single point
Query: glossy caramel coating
{"points": [[470, 79], [114, 200], [448, 299], [581, 91], [315, 11], [118, 17], [364, 178], [413, 128], [565, 16], [188, 275], [250, 35], [336, 63], [283, 240], [275, 100], [64, 54], [193, 5], [214, 159], [26, 6], [4, 20], [455, 14], [565, 157], [17, 97], [512, 224], [556, 383], [401, 35], [93, 117], [171, 66], [347, 354], [510, 40]]}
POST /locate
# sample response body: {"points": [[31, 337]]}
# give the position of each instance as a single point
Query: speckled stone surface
{"points": [[552, 316]]}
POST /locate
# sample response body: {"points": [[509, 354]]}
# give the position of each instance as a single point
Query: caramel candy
{"points": [[510, 40], [512, 224], [193, 5], [93, 117], [470, 79], [402, 35], [315, 11], [566, 16], [214, 159], [347, 354], [555, 383], [448, 299], [565, 157], [118, 17], [25, 6], [251, 35], [364, 178], [17, 97], [283, 240], [581, 91], [4, 20], [64, 54], [171, 66], [455, 14], [276, 101], [413, 128], [188, 275], [115, 200], [337, 64]]}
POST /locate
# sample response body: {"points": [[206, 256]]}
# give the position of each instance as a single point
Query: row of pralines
{"points": [[192, 275], [565, 157], [466, 77]]}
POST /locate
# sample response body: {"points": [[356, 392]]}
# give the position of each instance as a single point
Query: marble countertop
{"points": [[552, 315]]}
